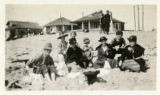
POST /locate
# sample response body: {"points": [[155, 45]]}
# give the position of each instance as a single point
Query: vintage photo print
{"points": [[54, 47]]}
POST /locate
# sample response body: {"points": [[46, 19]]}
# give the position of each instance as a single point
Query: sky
{"points": [[44, 13]]}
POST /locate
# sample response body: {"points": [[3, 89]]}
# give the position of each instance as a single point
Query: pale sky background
{"points": [[42, 14]]}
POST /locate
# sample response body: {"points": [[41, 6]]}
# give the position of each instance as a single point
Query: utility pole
{"points": [[138, 18], [143, 17], [134, 7], [82, 14]]}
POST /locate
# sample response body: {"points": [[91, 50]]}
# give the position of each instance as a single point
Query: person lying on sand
{"points": [[43, 63], [132, 57]]}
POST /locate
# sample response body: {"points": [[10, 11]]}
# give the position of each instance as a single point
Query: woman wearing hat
{"points": [[105, 53], [63, 44], [74, 53], [134, 53]]}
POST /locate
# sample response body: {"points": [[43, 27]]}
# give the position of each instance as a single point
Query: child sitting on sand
{"points": [[88, 53], [43, 64]]}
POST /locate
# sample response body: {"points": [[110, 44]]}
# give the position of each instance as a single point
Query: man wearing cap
{"points": [[63, 44], [105, 22], [43, 63], [105, 53], [74, 53], [87, 53], [133, 52], [118, 43]]}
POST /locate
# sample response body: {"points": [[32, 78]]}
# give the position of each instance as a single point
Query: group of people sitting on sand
{"points": [[115, 54]]}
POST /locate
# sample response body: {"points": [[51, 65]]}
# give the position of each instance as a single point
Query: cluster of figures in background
{"points": [[115, 55], [105, 22]]}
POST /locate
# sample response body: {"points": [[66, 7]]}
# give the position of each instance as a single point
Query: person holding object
{"points": [[132, 57], [118, 44], [105, 53]]}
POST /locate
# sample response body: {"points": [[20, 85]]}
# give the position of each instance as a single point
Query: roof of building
{"points": [[95, 16], [60, 21], [24, 24]]}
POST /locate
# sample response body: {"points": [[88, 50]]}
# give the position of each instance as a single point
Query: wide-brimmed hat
{"points": [[72, 41], [119, 33], [62, 34], [103, 38], [86, 40], [132, 38], [48, 46]]}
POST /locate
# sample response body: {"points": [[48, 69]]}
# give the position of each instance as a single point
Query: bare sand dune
{"points": [[115, 80]]}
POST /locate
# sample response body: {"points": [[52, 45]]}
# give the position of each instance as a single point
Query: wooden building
{"points": [[91, 22], [60, 24], [18, 29]]}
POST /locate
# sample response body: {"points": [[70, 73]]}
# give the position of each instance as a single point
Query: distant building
{"points": [[18, 29], [60, 24], [91, 22]]}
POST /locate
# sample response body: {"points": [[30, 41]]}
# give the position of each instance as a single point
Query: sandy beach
{"points": [[27, 47]]}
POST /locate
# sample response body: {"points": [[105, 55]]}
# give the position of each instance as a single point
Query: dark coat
{"points": [[103, 56], [134, 56], [105, 21], [120, 43], [74, 55], [138, 51], [42, 64]]}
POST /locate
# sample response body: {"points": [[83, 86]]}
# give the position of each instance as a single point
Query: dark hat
{"points": [[62, 34], [72, 41], [86, 40], [132, 38], [119, 33], [48, 46], [103, 38]]}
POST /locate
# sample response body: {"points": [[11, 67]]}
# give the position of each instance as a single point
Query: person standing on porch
{"points": [[105, 22]]}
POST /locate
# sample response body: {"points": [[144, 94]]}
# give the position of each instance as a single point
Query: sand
{"points": [[27, 47]]}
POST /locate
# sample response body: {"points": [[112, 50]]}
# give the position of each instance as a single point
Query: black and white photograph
{"points": [[54, 47]]}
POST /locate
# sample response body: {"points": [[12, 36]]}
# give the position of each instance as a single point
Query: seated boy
{"points": [[88, 53], [43, 63]]}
